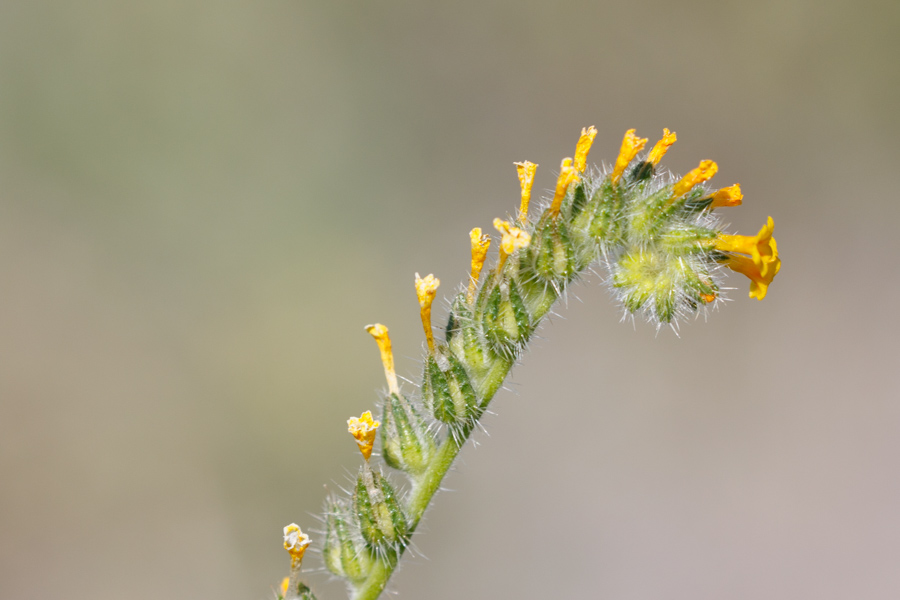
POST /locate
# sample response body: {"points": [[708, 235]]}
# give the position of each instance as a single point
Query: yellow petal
{"points": [[662, 146], [631, 145], [426, 289], [583, 147], [380, 333], [480, 245], [701, 174], [727, 196], [363, 429], [526, 171]]}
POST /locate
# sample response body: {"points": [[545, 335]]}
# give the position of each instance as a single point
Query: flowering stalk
{"points": [[663, 246]]}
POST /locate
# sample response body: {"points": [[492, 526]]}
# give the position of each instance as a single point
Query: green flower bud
{"points": [[664, 283], [507, 324], [381, 519], [446, 389], [554, 260], [606, 226], [344, 556], [406, 443]]}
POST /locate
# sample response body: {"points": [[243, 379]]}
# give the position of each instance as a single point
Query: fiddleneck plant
{"points": [[661, 242]]}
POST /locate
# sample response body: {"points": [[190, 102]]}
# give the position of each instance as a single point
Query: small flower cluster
{"points": [[662, 243]]}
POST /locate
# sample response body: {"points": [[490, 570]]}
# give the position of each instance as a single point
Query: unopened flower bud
{"points": [[406, 443], [382, 521], [345, 555]]}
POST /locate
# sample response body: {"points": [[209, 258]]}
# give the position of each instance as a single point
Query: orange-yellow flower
{"points": [[295, 542], [761, 262], [661, 147], [631, 145], [513, 239], [425, 290], [525, 171], [583, 147], [704, 172], [567, 176], [383, 339], [480, 244], [364, 429], [727, 196]]}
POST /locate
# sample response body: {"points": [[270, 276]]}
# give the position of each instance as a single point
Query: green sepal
{"points": [[507, 324], [381, 519], [555, 259], [465, 341], [406, 443], [447, 390], [666, 302], [344, 555], [642, 171], [606, 226], [579, 200], [687, 239], [659, 210]]}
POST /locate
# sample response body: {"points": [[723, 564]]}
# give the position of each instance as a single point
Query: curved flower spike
{"points": [[704, 172], [364, 429], [631, 145], [526, 172], [727, 196], [662, 146], [583, 147]]}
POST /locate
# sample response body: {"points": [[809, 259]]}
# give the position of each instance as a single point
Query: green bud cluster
{"points": [[658, 237]]}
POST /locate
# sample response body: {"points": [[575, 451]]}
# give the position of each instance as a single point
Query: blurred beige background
{"points": [[201, 205]]}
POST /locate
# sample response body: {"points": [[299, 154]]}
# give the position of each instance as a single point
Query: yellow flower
{"points": [[704, 172], [380, 333], [526, 171], [761, 263], [631, 145], [567, 176], [425, 290], [363, 429], [583, 147], [727, 196], [295, 542], [513, 237], [661, 147], [480, 245], [284, 585]]}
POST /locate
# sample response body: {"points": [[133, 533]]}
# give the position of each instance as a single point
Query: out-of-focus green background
{"points": [[202, 204]]}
